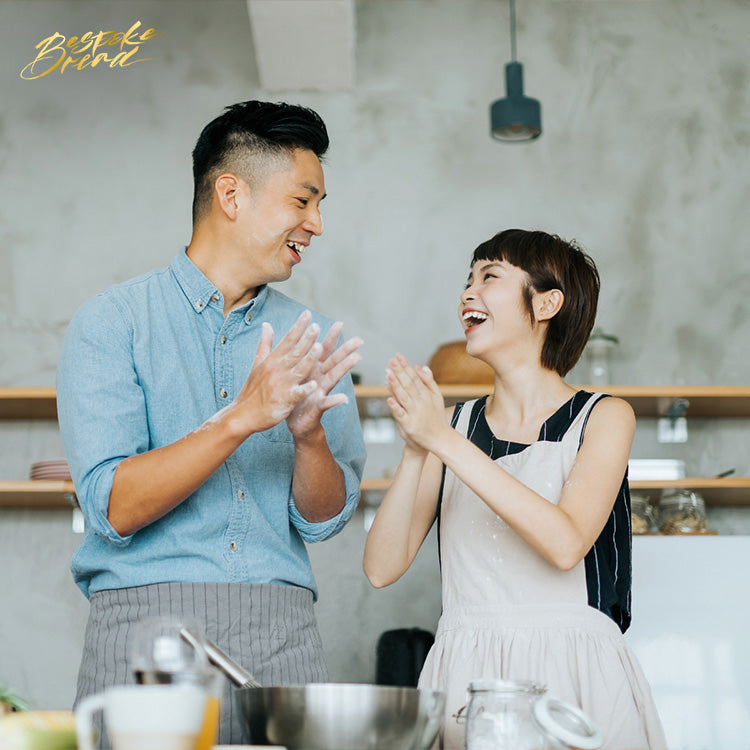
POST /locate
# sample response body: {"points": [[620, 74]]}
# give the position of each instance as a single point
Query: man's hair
{"points": [[249, 138], [552, 263]]}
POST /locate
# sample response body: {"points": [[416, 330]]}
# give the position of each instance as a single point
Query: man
{"points": [[201, 483]]}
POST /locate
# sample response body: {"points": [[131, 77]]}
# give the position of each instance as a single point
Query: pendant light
{"points": [[517, 117]]}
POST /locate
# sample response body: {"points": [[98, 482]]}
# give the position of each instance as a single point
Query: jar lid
{"points": [[507, 686], [567, 724], [681, 498], [639, 501]]}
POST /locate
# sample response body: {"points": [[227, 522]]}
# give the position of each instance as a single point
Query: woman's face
{"points": [[492, 309]]}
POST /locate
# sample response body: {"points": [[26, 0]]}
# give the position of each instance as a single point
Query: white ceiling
{"points": [[309, 44], [303, 44]]}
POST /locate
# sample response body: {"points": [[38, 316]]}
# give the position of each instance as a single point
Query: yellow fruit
{"points": [[38, 730]]}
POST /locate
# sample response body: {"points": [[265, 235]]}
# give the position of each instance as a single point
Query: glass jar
{"points": [[642, 516], [166, 650], [598, 349], [507, 715], [682, 512]]}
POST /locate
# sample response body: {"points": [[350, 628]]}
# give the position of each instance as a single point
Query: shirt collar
{"points": [[199, 290]]}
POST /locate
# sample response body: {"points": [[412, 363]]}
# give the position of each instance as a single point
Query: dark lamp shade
{"points": [[517, 117]]}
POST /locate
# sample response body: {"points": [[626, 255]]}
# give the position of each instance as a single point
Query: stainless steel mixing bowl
{"points": [[338, 716]]}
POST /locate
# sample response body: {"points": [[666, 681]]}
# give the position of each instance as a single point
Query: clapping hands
{"points": [[293, 381], [279, 378], [331, 366], [416, 403]]}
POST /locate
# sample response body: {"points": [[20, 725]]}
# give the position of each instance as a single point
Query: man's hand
{"points": [[332, 365], [280, 378], [148, 485]]}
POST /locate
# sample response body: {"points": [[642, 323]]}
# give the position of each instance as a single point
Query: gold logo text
{"points": [[55, 53]]}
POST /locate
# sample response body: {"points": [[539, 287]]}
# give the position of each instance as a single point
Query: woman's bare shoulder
{"points": [[612, 411]]}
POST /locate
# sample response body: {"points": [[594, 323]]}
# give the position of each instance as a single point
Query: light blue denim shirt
{"points": [[143, 364]]}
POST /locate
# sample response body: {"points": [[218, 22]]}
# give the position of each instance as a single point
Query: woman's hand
{"points": [[416, 404]]}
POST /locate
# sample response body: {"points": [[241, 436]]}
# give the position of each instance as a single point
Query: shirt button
{"points": [[233, 547], [249, 317], [223, 393], [200, 304], [223, 339], [214, 298], [240, 494]]}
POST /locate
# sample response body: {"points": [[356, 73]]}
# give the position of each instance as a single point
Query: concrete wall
{"points": [[644, 160]]}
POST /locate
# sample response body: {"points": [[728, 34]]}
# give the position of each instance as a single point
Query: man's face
{"points": [[279, 217]]}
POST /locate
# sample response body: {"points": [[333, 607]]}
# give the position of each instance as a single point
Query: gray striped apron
{"points": [[268, 629]]}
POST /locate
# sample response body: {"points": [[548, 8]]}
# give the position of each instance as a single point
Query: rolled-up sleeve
{"points": [[101, 407]]}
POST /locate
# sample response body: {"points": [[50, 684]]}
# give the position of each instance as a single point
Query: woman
{"points": [[530, 490]]}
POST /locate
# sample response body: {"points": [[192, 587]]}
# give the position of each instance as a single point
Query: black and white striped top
{"points": [[608, 563]]}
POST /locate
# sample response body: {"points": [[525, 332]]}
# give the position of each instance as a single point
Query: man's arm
{"points": [[149, 485], [318, 483]]}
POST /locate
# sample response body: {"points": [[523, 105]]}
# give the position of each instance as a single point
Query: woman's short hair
{"points": [[552, 263]]}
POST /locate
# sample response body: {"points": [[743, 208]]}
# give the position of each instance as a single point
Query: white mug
{"points": [[144, 717]]}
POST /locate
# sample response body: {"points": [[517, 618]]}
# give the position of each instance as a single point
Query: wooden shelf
{"points": [[453, 393], [707, 532], [40, 493], [28, 403], [59, 494], [646, 400], [715, 491], [704, 401]]}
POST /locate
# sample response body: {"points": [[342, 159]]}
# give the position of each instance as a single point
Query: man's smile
{"points": [[297, 248]]}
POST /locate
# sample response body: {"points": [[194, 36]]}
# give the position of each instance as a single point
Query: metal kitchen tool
{"points": [[238, 675]]}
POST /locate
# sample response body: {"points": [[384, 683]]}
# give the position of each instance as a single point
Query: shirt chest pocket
{"points": [[278, 434]]}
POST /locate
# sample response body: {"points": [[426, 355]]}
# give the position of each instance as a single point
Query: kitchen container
{"points": [[451, 365], [655, 469], [682, 512], [508, 715], [329, 716], [159, 654], [339, 716], [598, 350], [642, 515]]}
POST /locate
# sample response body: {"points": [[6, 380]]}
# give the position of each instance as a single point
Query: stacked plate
{"points": [[56, 469], [655, 469]]}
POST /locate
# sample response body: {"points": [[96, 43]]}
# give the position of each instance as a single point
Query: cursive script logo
{"points": [[86, 51]]}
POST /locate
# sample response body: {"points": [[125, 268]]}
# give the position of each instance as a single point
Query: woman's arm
{"points": [[408, 509], [562, 533], [404, 518]]}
